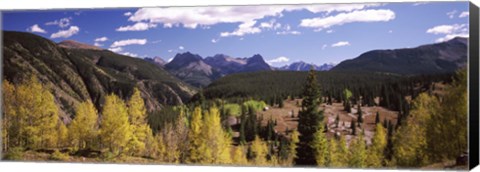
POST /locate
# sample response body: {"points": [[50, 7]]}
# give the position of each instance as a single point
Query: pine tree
{"points": [[115, 130], [360, 113], [309, 117], [83, 130], [353, 126]]}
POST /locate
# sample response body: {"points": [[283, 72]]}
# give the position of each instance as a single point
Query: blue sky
{"points": [[327, 33]]}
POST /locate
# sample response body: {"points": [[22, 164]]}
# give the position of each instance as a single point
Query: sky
{"points": [[282, 34]]}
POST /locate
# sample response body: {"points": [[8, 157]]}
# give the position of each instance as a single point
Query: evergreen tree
{"points": [[360, 114], [353, 126], [309, 118]]}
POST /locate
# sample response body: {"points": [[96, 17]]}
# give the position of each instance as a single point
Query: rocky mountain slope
{"points": [[427, 59], [76, 73]]}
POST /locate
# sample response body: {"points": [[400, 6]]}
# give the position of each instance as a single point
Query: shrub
{"points": [[15, 153], [59, 156]]}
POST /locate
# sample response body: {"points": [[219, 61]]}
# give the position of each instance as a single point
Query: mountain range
{"points": [[76, 72], [200, 72], [435, 58], [303, 66]]}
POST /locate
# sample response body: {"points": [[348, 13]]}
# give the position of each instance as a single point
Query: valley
{"points": [[88, 104]]}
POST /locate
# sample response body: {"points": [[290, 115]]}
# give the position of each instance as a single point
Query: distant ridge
{"points": [[77, 45], [441, 57]]}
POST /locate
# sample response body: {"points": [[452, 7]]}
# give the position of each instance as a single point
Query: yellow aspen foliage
{"points": [[376, 150], [196, 149], [62, 134], [218, 141], [343, 152], [447, 129], [332, 159], [140, 128], [320, 145], [83, 130], [37, 115], [292, 148], [9, 124], [409, 142], [239, 156], [115, 130], [259, 151], [358, 153]]}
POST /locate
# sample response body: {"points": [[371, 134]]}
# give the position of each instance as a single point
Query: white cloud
{"points": [[116, 49], [464, 14], [341, 44], [380, 15], [66, 33], [329, 31], [390, 31], [419, 3], [214, 40], [140, 26], [449, 31], [289, 33], [130, 54], [126, 42], [278, 60], [181, 48], [451, 14], [243, 29], [97, 44], [127, 14], [101, 39], [170, 50], [446, 29], [63, 22], [36, 28], [192, 17]]}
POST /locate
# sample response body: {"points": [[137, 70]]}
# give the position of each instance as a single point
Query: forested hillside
{"points": [[75, 75]]}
